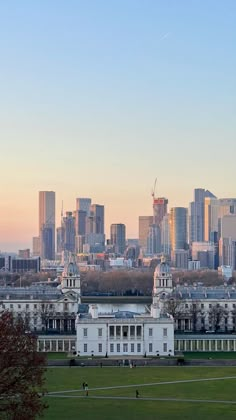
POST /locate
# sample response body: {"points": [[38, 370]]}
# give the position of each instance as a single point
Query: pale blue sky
{"points": [[98, 98]]}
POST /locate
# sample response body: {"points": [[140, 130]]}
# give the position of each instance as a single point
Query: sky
{"points": [[98, 98]]}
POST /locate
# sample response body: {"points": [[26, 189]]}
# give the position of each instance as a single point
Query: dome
{"points": [[71, 269]]}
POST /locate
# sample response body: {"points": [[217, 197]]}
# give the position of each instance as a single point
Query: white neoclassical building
{"points": [[126, 333]]}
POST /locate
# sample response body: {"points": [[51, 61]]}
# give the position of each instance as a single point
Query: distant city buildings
{"points": [[118, 237], [47, 215]]}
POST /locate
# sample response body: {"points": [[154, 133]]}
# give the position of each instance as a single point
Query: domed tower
{"points": [[162, 280], [71, 278]]}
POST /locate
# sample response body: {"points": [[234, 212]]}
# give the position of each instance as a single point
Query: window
{"points": [[165, 347], [139, 348], [202, 305], [118, 331], [35, 321], [35, 306], [51, 306], [125, 348], [11, 306], [132, 348], [99, 348], [99, 332], [85, 332], [19, 306], [226, 306], [234, 305], [186, 305], [164, 332], [111, 348], [150, 347], [210, 305], [85, 348], [150, 332], [111, 331], [118, 348], [132, 331], [27, 306], [125, 330], [139, 331]]}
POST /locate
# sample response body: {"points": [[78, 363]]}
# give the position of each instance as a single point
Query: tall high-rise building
{"points": [[178, 228], [144, 223], [165, 235], [97, 213], [159, 209], [196, 218], [36, 246], [227, 243], [211, 215], [83, 204], [154, 240], [80, 222], [118, 237], [68, 232], [47, 210]]}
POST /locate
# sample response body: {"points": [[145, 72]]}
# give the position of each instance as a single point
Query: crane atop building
{"points": [[154, 189]]}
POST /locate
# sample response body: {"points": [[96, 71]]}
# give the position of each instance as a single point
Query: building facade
{"points": [[126, 333], [47, 212], [118, 237]]}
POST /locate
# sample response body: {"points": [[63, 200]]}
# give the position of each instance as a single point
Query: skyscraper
{"points": [[159, 209], [83, 204], [165, 235], [47, 224], [68, 232], [144, 223], [118, 237], [211, 215], [178, 228], [97, 213], [196, 219]]}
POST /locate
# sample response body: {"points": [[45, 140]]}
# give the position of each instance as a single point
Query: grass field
{"points": [[120, 402]]}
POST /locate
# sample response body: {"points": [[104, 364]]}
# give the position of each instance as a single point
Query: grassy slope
{"points": [[86, 409]]}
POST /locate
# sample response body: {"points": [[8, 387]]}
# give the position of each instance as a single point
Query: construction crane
{"points": [[154, 189]]}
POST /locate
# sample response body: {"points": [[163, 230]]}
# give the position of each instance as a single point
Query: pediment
{"points": [[68, 297]]}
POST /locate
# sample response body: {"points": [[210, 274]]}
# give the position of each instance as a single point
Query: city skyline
{"points": [[13, 246], [100, 100]]}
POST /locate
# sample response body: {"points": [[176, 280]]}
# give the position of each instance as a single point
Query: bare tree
{"points": [[216, 315], [195, 313], [21, 371]]}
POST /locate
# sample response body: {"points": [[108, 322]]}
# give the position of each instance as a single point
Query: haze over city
{"points": [[98, 99]]}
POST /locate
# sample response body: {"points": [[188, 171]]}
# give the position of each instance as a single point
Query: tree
{"points": [[21, 371], [215, 316], [195, 312]]}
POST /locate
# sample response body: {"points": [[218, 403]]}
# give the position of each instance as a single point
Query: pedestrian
{"points": [[137, 393], [83, 385], [101, 364], [86, 389]]}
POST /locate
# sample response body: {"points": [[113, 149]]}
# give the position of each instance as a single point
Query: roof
{"points": [[32, 292], [204, 293]]}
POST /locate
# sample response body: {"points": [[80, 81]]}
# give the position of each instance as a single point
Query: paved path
{"points": [[54, 393], [143, 399]]}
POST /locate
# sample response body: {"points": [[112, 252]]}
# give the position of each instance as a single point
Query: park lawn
{"points": [[64, 378], [87, 408]]}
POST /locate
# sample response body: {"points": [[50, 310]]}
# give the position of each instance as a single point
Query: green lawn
{"points": [[86, 408]]}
